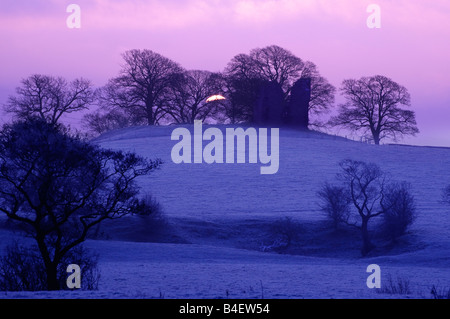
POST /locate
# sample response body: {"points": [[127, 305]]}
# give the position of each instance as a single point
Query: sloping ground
{"points": [[220, 214], [220, 191]]}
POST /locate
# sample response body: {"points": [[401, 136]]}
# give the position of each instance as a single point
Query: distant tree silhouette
{"points": [[373, 107], [188, 95], [366, 188], [143, 85], [58, 187], [365, 185], [241, 93], [322, 93], [273, 63], [107, 119], [48, 97]]}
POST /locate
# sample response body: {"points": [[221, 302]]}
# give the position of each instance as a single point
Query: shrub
{"points": [[399, 287], [399, 210], [440, 293], [148, 205], [103, 121], [335, 203], [151, 212], [282, 233], [22, 269]]}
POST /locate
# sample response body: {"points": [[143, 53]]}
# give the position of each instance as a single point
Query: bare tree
{"points": [[49, 97], [189, 94], [59, 187], [242, 66], [241, 93], [373, 107], [365, 183], [365, 193], [143, 84], [322, 93], [274, 63]]}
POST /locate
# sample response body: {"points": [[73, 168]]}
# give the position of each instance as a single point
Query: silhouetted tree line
{"points": [[151, 89], [362, 192]]}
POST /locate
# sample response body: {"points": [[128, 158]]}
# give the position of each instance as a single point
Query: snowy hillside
{"points": [[218, 217]]}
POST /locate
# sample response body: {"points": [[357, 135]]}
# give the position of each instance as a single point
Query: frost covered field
{"points": [[218, 217]]}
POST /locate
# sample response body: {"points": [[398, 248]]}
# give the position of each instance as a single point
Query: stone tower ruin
{"points": [[271, 108], [298, 113]]}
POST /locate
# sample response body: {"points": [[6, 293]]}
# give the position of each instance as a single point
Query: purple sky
{"points": [[412, 46]]}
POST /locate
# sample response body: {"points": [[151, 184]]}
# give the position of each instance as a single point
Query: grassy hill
{"points": [[219, 217], [307, 160]]}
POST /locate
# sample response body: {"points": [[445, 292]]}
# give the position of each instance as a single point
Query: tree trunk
{"points": [[52, 277], [149, 112], [367, 245], [50, 267], [376, 138], [150, 120]]}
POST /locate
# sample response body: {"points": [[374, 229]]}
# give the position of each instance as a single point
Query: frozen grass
{"points": [[218, 216]]}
